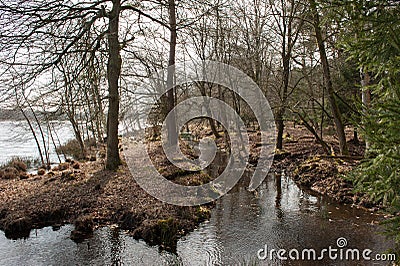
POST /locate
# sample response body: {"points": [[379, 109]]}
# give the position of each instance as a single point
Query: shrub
{"points": [[14, 168], [19, 163], [9, 173], [71, 148]]}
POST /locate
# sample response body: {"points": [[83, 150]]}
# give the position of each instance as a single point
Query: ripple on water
{"points": [[280, 216], [16, 139]]}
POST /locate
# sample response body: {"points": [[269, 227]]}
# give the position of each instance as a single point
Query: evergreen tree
{"points": [[373, 39]]}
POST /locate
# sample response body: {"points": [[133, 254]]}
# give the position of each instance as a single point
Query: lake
{"points": [[16, 139]]}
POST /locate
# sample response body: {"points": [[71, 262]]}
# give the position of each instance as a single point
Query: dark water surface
{"points": [[279, 215]]}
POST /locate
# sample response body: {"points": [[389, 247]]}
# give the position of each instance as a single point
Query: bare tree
{"points": [[171, 123], [113, 72], [288, 20], [337, 117], [38, 35]]}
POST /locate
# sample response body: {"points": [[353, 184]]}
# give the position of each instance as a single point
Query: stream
{"points": [[279, 215]]}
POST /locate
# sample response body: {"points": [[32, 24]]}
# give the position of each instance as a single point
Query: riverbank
{"points": [[304, 160], [86, 195]]}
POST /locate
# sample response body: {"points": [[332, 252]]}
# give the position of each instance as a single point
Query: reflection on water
{"points": [[106, 247], [16, 139], [279, 215]]}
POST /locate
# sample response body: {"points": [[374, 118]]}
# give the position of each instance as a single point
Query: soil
{"points": [[88, 196], [305, 161]]}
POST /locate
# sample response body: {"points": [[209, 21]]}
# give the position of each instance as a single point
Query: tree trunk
{"points": [[171, 123], [337, 117], [32, 131], [280, 127], [289, 36], [355, 136], [282, 109], [355, 130], [315, 134], [113, 71], [202, 87], [365, 97], [78, 135]]}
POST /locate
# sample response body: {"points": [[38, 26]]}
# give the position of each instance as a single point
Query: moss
{"points": [[203, 213], [130, 220], [162, 232], [168, 231], [17, 227], [83, 228]]}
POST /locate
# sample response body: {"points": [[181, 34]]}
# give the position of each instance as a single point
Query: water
{"points": [[16, 139], [280, 215], [285, 217], [106, 247]]}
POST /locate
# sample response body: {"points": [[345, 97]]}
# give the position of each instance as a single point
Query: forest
{"points": [[329, 70]]}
